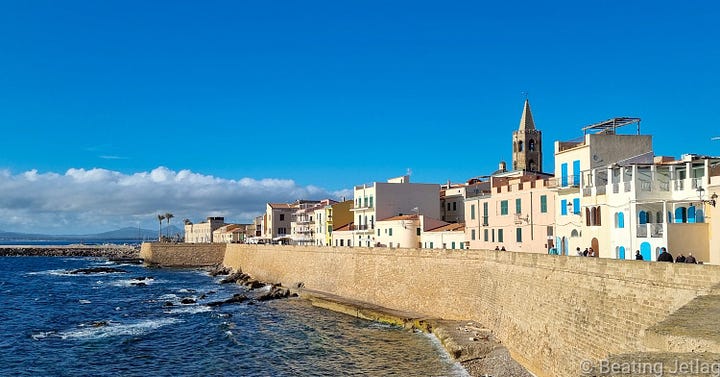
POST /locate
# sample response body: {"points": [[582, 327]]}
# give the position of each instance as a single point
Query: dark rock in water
{"points": [[220, 270], [168, 303], [127, 260], [235, 277], [140, 284], [141, 278], [97, 270], [99, 324], [203, 296], [235, 299], [253, 284], [276, 292], [187, 301]]}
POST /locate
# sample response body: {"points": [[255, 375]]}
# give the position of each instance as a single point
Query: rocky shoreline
{"points": [[100, 251]]}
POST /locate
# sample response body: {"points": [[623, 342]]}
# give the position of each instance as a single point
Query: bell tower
{"points": [[527, 143]]}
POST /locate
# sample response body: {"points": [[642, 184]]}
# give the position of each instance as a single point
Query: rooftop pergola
{"points": [[609, 126]]}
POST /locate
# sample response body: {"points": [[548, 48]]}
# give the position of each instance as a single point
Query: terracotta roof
{"points": [[343, 227], [401, 217], [279, 205], [456, 227]]}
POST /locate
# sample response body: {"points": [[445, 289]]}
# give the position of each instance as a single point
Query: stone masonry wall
{"points": [[552, 312], [183, 254]]}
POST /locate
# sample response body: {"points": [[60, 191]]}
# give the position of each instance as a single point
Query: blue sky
{"points": [[265, 101]]}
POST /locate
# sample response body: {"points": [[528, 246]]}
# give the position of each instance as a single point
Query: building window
{"points": [[371, 202], [543, 203], [472, 211], [365, 201], [518, 234], [504, 207], [390, 230], [462, 245], [520, 146], [576, 206], [485, 214], [531, 145], [454, 206], [564, 174], [282, 217], [576, 173], [485, 235], [563, 207], [619, 220], [452, 245], [431, 244], [417, 231], [472, 234], [500, 235], [518, 205], [448, 205]]}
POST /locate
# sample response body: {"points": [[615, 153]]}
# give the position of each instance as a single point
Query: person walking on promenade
{"points": [[690, 259], [680, 258], [638, 256], [665, 256]]}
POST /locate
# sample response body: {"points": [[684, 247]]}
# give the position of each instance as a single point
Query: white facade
{"points": [[203, 232], [382, 200]]}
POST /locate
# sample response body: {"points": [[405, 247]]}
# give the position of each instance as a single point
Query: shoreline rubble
{"points": [[121, 253]]}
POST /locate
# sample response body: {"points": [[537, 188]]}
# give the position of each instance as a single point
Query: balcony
{"points": [[654, 230]]}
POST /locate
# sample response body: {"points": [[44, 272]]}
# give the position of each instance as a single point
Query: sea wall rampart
{"points": [[552, 312], [183, 254]]}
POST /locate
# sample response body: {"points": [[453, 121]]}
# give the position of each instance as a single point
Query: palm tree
{"points": [[168, 216], [160, 219]]}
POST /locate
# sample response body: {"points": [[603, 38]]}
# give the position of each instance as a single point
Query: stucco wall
{"points": [[552, 312], [182, 254]]}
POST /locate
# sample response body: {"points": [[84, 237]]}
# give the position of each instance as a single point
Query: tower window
{"points": [[520, 146], [531, 145], [532, 165]]}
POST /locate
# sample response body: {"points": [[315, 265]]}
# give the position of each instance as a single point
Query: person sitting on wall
{"points": [[591, 252], [665, 256], [585, 252], [680, 258], [579, 253], [690, 259], [638, 256], [502, 248], [497, 248]]}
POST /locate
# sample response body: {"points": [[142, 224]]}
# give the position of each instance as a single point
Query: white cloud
{"points": [[96, 200]]}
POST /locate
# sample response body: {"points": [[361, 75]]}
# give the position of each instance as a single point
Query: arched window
{"points": [[520, 146], [658, 217], [619, 220], [642, 217], [574, 233], [691, 214], [532, 166], [587, 216], [531, 145], [593, 216], [620, 252], [680, 215], [598, 217]]}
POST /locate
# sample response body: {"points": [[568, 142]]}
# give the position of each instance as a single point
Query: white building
{"points": [[382, 200]]}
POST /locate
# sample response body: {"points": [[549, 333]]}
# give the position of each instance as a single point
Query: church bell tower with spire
{"points": [[527, 143]]}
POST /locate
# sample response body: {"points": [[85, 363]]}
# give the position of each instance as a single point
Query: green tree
{"points": [[168, 216], [160, 220]]}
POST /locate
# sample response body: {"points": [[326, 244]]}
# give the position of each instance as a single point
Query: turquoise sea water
{"points": [[54, 323]]}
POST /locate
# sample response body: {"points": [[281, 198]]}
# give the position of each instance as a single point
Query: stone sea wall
{"points": [[182, 254], [553, 313], [104, 251]]}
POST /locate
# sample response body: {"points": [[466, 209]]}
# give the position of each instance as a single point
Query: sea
{"points": [[134, 323]]}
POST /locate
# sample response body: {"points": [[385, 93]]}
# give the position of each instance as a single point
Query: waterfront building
{"points": [[203, 232], [329, 217], [517, 213], [258, 222], [513, 209], [583, 215], [276, 222], [233, 233], [452, 198], [303, 222], [382, 200], [655, 203], [342, 235], [447, 236]]}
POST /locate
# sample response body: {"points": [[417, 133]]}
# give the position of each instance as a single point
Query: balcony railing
{"points": [[656, 230], [641, 231]]}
